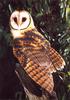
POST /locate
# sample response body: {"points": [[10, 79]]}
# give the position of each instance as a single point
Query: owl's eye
{"points": [[23, 19], [15, 19]]}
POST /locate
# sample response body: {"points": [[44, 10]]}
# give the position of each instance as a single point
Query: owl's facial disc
{"points": [[20, 20]]}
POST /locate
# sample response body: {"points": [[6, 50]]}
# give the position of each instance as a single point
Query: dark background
{"points": [[52, 19]]}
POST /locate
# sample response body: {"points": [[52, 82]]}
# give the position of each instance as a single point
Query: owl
{"points": [[33, 51]]}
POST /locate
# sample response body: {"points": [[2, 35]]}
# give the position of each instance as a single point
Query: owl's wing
{"points": [[45, 58], [57, 61], [34, 69], [39, 64]]}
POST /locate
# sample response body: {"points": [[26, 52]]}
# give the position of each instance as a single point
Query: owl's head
{"points": [[20, 22]]}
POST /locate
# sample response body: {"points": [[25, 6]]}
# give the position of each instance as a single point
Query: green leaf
{"points": [[68, 73]]}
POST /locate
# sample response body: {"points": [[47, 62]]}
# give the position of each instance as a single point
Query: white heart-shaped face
{"points": [[20, 20]]}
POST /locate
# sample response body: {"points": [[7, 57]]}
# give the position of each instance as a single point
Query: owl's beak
{"points": [[19, 23]]}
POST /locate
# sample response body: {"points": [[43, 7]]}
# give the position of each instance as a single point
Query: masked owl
{"points": [[33, 51]]}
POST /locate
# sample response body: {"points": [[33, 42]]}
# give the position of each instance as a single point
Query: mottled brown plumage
{"points": [[36, 56]]}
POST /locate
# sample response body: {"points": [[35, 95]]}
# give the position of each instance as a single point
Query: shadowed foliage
{"points": [[52, 19]]}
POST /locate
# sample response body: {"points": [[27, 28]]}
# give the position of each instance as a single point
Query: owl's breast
{"points": [[28, 42]]}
